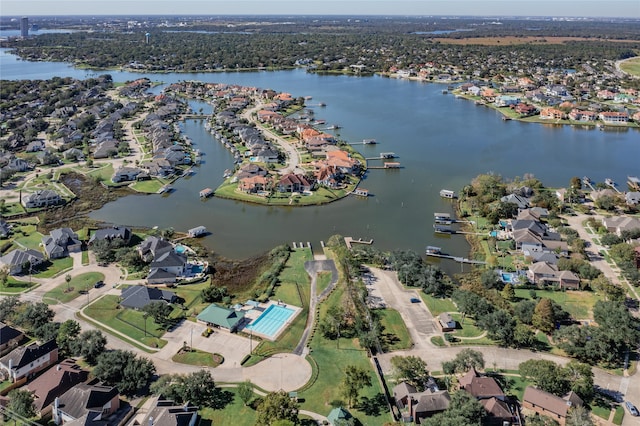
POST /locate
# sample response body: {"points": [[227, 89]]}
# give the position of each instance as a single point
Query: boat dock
{"points": [[447, 193], [349, 241], [633, 182], [612, 184], [383, 156], [458, 259], [365, 142], [206, 193], [587, 182], [388, 165]]}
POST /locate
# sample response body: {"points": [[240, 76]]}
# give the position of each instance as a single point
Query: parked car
{"points": [[414, 300], [632, 408], [98, 284]]}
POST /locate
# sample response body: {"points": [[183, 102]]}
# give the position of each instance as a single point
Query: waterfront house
{"points": [[111, 233], [543, 273], [551, 114], [505, 100], [19, 261], [87, 404], [518, 200], [25, 361], [41, 198], [632, 198], [254, 184], [60, 242], [167, 267], [582, 115], [293, 183], [125, 174], [525, 109], [549, 405], [9, 338], [152, 247], [612, 117], [219, 317], [53, 383], [139, 296]]}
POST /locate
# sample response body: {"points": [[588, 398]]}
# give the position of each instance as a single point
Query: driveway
{"points": [[416, 316]]}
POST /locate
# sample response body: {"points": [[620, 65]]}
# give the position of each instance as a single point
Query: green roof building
{"points": [[217, 316], [337, 414]]}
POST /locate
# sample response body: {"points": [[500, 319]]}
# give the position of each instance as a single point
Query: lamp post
{"points": [[145, 315]]}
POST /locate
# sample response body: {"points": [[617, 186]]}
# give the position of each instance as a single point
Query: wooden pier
{"points": [[634, 183], [393, 165], [612, 184], [457, 259], [349, 241]]}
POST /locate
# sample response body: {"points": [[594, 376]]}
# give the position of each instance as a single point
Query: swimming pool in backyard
{"points": [[271, 321]]}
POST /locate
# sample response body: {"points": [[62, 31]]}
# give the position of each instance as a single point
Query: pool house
{"points": [[219, 317]]}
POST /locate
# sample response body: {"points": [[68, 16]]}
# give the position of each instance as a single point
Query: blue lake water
{"points": [[441, 141]]}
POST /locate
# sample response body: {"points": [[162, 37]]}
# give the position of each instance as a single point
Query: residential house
{"points": [[152, 247], [342, 161], [60, 242], [9, 338], [613, 117], [632, 198], [446, 322], [420, 405], [488, 392], [167, 267], [139, 296], [54, 382], [551, 114], [518, 200], [165, 412], [25, 361], [525, 109], [19, 261], [505, 100], [41, 198], [5, 228], [542, 273], [125, 174], [619, 224], [582, 115], [254, 184], [293, 183], [87, 404], [74, 154], [219, 317], [549, 405], [111, 233]]}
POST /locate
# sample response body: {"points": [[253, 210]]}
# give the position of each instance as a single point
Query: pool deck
{"points": [[253, 314]]}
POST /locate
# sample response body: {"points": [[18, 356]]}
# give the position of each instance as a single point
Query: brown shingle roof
{"points": [[549, 402], [56, 381]]}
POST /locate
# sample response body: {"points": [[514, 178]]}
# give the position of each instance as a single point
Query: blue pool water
{"points": [[507, 278], [271, 321], [196, 269], [180, 249]]}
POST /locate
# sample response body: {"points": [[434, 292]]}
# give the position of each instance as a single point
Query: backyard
{"points": [[579, 304]]}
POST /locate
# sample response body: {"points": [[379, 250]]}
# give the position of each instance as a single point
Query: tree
{"points": [[245, 391], [464, 361], [508, 293], [47, 331], [8, 307], [464, 410], [277, 406], [500, 326], [524, 310], [545, 374], [579, 416], [169, 386], [67, 279], [543, 318], [410, 369], [89, 345], [580, 377], [67, 335], [213, 294], [21, 403], [355, 378], [160, 312], [33, 315], [490, 279], [122, 369], [523, 336], [200, 389]]}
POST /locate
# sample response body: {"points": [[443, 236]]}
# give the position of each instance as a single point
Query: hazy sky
{"points": [[595, 8]]}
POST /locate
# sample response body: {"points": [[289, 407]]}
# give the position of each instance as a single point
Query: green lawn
{"points": [[294, 268], [31, 240], [55, 267], [129, 322], [331, 358], [631, 66], [198, 358], [12, 209], [148, 186], [437, 306], [320, 196], [80, 283], [235, 413], [85, 257], [579, 304], [619, 416], [468, 329], [103, 172], [15, 286], [395, 335], [323, 281], [438, 341]]}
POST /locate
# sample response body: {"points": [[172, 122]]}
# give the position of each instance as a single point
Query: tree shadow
{"points": [[373, 406], [223, 398]]}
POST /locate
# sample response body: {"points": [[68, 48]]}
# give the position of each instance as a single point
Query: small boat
{"points": [[227, 173], [369, 141], [319, 122], [333, 127], [444, 92]]}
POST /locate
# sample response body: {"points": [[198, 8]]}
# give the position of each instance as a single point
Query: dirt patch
{"points": [[90, 196], [238, 276], [512, 40]]}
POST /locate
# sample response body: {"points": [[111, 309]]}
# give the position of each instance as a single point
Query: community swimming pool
{"points": [[271, 321]]}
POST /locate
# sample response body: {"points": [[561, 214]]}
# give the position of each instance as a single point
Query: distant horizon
{"points": [[622, 9]]}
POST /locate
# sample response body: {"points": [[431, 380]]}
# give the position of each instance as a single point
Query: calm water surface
{"points": [[442, 142]]}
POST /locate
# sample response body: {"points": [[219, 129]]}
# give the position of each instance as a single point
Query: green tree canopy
{"points": [[122, 369], [410, 369], [277, 406], [355, 379]]}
